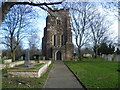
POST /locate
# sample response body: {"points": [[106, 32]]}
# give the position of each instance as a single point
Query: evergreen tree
{"points": [[118, 51], [103, 49], [111, 49], [106, 49]]}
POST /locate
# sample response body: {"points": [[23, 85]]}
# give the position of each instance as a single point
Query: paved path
{"points": [[61, 77]]}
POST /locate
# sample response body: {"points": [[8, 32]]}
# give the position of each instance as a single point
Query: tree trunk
{"points": [[95, 51], [79, 54], [95, 55], [5, 8], [13, 56]]}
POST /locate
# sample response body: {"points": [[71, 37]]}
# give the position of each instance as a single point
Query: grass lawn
{"points": [[96, 73], [38, 65], [20, 82]]}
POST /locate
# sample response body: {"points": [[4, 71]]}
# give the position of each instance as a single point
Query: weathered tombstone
{"points": [[27, 58], [21, 57], [109, 57], [106, 57], [117, 58]]}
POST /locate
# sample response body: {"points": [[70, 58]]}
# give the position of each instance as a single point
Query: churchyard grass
{"points": [[4, 71], [96, 73], [1, 61], [38, 65], [20, 82]]}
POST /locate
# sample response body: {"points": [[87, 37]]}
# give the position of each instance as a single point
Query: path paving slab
{"points": [[61, 77]]}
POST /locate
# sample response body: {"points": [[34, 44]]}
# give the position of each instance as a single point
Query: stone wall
{"points": [[22, 73], [43, 69], [30, 73], [13, 64], [7, 61], [10, 65], [111, 57]]}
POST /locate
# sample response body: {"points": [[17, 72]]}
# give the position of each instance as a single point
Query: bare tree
{"points": [[113, 7], [19, 51], [34, 44], [99, 31], [7, 5], [80, 23], [13, 27], [33, 41]]}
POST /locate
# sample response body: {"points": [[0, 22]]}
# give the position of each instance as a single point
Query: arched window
{"points": [[51, 52], [58, 22], [62, 40], [54, 40]]}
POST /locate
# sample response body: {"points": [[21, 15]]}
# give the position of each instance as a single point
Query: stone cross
{"points": [[27, 58]]}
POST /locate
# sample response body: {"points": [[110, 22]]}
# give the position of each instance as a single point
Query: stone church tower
{"points": [[57, 40]]}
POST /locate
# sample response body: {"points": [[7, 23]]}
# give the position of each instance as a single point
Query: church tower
{"points": [[57, 40]]}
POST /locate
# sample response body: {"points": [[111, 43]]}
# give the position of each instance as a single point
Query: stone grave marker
{"points": [[27, 58]]}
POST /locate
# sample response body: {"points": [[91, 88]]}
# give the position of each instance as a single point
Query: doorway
{"points": [[59, 56]]}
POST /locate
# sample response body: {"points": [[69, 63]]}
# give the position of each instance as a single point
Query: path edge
{"points": [[48, 76], [76, 77]]}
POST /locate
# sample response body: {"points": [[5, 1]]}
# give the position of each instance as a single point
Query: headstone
{"points": [[117, 58], [27, 58], [21, 57], [109, 57]]}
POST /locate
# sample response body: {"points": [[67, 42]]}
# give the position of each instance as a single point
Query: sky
{"points": [[41, 23], [111, 16]]}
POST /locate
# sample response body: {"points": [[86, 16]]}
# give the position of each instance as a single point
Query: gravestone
{"points": [[21, 58], [27, 58], [109, 57], [117, 58]]}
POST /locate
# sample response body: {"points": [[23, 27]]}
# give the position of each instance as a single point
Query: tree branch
{"points": [[7, 5]]}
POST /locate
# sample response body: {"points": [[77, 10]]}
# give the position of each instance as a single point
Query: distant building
{"points": [[87, 55], [57, 40]]}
